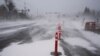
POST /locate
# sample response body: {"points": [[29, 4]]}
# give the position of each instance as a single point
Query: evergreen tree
{"points": [[10, 5], [87, 10]]}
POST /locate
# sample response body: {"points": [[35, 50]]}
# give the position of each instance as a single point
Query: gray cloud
{"points": [[65, 6]]}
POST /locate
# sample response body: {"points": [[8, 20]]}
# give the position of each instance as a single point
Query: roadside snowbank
{"points": [[39, 48]]}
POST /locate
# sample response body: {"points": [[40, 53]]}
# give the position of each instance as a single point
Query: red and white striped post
{"points": [[59, 31], [57, 38], [56, 44]]}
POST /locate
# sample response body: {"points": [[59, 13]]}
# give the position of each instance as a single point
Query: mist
{"points": [[61, 6]]}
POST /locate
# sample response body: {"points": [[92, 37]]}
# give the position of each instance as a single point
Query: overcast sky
{"points": [[65, 6]]}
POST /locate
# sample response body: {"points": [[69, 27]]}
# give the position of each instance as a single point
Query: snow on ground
{"points": [[80, 42], [10, 27], [43, 48], [39, 48], [12, 30], [4, 24], [93, 37]]}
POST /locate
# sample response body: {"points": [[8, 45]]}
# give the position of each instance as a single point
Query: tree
{"points": [[10, 5], [87, 10]]}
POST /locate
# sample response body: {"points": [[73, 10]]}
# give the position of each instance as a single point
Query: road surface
{"points": [[28, 33]]}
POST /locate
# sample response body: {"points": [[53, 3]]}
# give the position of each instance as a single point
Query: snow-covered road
{"points": [[39, 36]]}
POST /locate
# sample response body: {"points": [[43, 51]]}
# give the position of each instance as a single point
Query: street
{"points": [[73, 42]]}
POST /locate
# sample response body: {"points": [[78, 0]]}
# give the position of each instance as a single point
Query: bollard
{"points": [[59, 32], [56, 44], [57, 37]]}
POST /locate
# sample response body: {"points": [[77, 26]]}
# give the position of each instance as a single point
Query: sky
{"points": [[63, 6]]}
